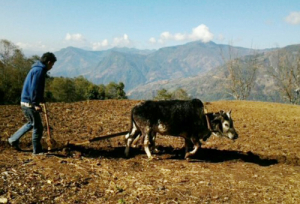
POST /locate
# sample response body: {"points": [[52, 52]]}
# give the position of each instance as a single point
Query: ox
{"points": [[185, 118]]}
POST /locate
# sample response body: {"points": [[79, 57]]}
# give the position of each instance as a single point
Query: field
{"points": [[261, 166]]}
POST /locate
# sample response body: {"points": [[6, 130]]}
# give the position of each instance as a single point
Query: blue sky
{"points": [[50, 25]]}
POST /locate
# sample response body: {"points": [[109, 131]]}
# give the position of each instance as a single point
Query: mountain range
{"points": [[196, 67]]}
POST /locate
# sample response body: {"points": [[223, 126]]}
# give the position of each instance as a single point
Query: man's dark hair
{"points": [[48, 56]]}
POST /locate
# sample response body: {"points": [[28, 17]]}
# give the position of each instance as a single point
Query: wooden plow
{"points": [[76, 143], [49, 140], [51, 143]]}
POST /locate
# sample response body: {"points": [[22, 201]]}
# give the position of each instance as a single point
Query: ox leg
{"points": [[197, 146], [152, 141], [136, 140], [130, 138], [128, 143], [147, 143], [188, 144], [154, 149]]}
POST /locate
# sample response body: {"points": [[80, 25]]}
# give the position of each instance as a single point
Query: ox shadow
{"points": [[219, 156], [203, 155]]}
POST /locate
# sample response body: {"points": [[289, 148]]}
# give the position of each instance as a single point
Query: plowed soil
{"points": [[261, 166]]}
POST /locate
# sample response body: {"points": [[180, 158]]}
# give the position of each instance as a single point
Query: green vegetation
{"points": [[60, 89], [179, 94], [14, 67]]}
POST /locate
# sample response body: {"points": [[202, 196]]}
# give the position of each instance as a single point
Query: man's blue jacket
{"points": [[34, 85]]}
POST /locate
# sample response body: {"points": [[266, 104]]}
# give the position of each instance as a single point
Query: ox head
{"points": [[222, 125]]}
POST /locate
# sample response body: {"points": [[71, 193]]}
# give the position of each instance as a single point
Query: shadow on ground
{"points": [[203, 155]]}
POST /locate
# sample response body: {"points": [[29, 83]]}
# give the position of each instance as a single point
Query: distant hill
{"points": [[139, 67], [72, 62], [210, 86], [196, 67]]}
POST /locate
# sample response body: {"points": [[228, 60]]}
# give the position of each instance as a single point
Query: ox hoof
{"points": [[150, 158], [153, 158], [156, 151], [126, 154], [187, 155]]}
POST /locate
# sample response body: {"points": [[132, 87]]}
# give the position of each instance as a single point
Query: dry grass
{"points": [[262, 166]]}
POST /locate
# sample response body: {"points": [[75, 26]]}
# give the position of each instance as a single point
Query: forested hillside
{"points": [[14, 67]]}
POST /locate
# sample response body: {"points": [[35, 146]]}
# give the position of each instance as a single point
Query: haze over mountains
{"points": [[196, 67]]}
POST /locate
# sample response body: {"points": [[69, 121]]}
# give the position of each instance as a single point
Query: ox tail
{"points": [[132, 133], [132, 125]]}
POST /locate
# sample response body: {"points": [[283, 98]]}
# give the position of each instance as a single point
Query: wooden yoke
{"points": [[207, 119]]}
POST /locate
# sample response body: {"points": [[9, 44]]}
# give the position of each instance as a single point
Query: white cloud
{"points": [[74, 37], [121, 41], [152, 40], [166, 36], [201, 32], [180, 37], [293, 18], [33, 46], [104, 43], [100, 45]]}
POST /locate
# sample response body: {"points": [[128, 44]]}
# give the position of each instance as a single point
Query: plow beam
{"points": [[76, 143]]}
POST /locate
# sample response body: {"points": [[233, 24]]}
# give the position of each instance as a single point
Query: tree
{"points": [[7, 50], [82, 88], [70, 90], [241, 73], [120, 91], [285, 70], [13, 69], [93, 92], [101, 89], [63, 89], [163, 94], [115, 91], [180, 94]]}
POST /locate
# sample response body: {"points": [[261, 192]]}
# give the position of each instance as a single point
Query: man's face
{"points": [[50, 65]]}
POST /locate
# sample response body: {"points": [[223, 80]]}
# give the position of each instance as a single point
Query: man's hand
{"points": [[38, 108]]}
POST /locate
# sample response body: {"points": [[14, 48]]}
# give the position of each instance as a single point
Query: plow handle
{"points": [[48, 140]]}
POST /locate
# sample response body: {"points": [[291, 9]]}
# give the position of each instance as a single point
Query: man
{"points": [[31, 98]]}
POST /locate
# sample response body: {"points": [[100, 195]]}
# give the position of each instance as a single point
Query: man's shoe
{"points": [[14, 145], [39, 154]]}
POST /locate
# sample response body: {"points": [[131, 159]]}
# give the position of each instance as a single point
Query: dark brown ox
{"points": [[177, 118]]}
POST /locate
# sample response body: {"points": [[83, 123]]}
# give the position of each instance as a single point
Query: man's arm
{"points": [[37, 89]]}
